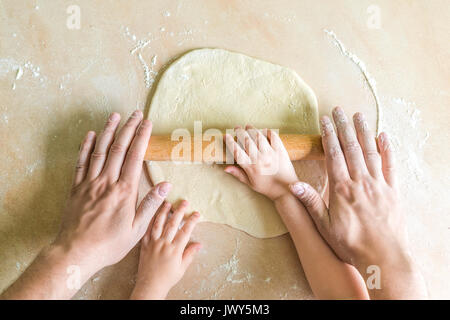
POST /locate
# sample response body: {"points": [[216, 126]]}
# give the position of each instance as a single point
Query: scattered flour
{"points": [[149, 72], [371, 83], [8, 65], [401, 120], [139, 44], [231, 268], [233, 275], [403, 124], [19, 73]]}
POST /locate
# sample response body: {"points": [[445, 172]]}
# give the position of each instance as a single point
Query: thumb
{"points": [[190, 252], [149, 205], [238, 173], [313, 203]]}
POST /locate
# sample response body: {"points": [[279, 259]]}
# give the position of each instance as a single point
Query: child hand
{"points": [[264, 162], [165, 252]]}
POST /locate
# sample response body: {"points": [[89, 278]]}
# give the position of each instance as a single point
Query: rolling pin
{"points": [[299, 147]]}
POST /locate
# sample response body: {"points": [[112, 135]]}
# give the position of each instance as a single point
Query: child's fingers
{"points": [[246, 142], [275, 140], [239, 154], [149, 206], [250, 147], [260, 138], [184, 234], [152, 221], [173, 223], [189, 253], [238, 173], [160, 221]]}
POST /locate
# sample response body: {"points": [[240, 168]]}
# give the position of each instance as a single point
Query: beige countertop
{"points": [[56, 83]]}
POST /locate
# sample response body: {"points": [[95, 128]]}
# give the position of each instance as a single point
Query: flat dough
{"points": [[224, 89]]}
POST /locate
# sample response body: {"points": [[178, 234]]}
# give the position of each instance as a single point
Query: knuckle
{"points": [[340, 187], [352, 146], [80, 167], [335, 152], [135, 155], [126, 187], [108, 125], [117, 148], [153, 235], [309, 198], [98, 155], [183, 232], [85, 147], [327, 130], [131, 122], [172, 225], [142, 131], [372, 155], [157, 224]]}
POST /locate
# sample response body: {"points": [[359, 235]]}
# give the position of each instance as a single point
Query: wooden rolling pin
{"points": [[299, 147]]}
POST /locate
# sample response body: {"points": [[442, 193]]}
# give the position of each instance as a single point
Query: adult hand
{"points": [[102, 221], [364, 223]]}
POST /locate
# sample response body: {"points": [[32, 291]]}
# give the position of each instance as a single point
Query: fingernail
{"points": [[384, 141], [146, 122], [136, 113], [339, 116], [297, 188], [114, 116], [325, 125], [360, 121], [196, 215], [163, 190]]}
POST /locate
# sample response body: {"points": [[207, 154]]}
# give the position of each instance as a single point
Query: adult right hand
{"points": [[364, 223]]}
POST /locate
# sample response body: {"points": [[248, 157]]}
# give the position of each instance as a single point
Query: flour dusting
{"points": [[139, 44], [149, 72], [8, 65], [371, 83], [231, 268], [403, 124]]}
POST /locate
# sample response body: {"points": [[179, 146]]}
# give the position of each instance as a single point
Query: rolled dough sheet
{"points": [[224, 89]]}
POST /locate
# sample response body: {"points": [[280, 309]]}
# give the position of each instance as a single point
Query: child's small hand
{"points": [[264, 162], [165, 252]]}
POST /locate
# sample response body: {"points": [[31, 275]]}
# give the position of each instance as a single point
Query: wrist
{"points": [[144, 291], [281, 197], [398, 277], [397, 257], [401, 265], [71, 256]]}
